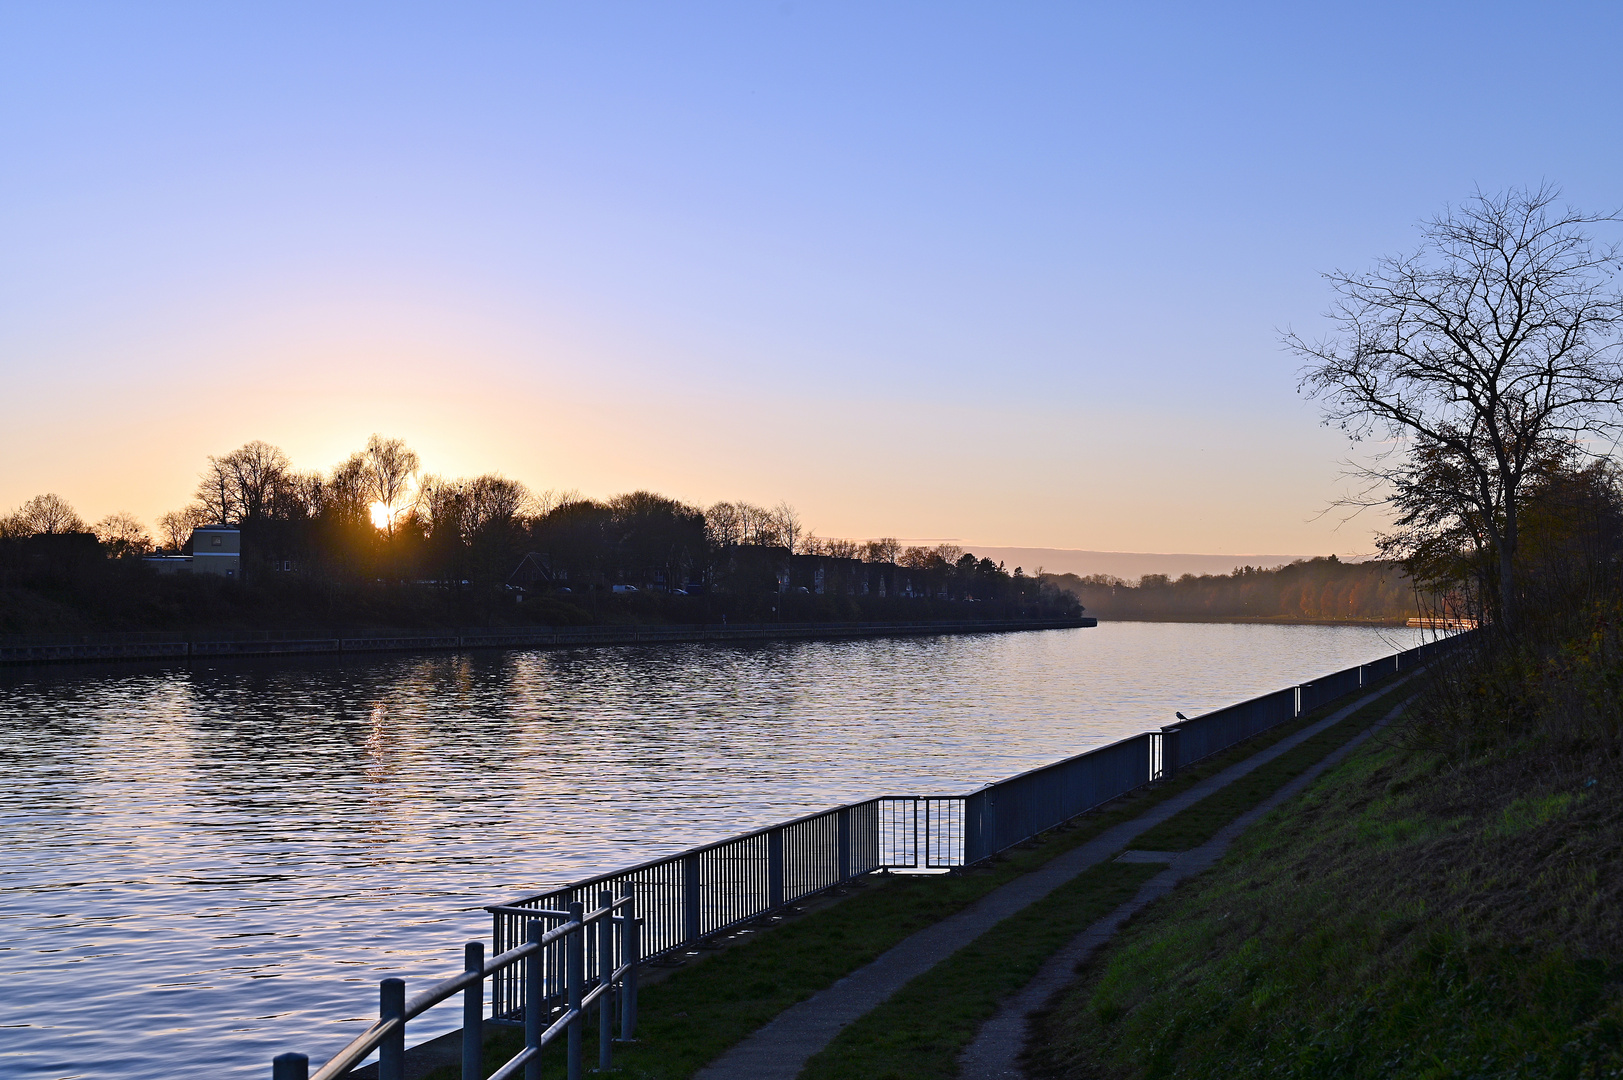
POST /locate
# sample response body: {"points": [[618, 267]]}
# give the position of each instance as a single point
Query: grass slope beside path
{"points": [[1410, 916], [920, 1032], [698, 1012]]}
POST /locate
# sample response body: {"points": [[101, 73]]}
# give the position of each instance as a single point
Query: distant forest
{"points": [[1324, 589], [376, 542]]}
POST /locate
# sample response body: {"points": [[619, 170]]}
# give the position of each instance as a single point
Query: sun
{"points": [[382, 516]]}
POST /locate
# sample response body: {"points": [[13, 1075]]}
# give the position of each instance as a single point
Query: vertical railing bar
{"points": [[575, 951], [605, 974], [392, 1051], [534, 995], [632, 953], [473, 1014], [290, 1067]]}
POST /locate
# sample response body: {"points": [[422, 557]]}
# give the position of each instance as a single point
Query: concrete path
{"points": [[995, 1053], [779, 1049]]}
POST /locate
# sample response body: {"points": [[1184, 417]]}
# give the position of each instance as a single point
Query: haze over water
{"points": [[209, 866]]}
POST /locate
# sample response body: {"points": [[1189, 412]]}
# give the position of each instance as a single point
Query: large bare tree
{"points": [[1487, 349], [389, 468], [468, 507], [122, 535], [176, 526], [242, 485], [44, 515]]}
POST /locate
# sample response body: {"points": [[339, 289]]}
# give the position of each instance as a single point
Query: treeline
{"points": [[377, 533], [1325, 589]]}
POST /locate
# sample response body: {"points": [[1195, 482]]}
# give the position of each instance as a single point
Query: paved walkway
{"points": [[779, 1049], [995, 1053]]}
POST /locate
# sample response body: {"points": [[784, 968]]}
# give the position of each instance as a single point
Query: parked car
{"points": [[625, 588]]}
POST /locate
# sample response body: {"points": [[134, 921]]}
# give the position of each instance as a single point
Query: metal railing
{"points": [[1188, 741], [588, 959], [686, 898], [698, 893], [1012, 811]]}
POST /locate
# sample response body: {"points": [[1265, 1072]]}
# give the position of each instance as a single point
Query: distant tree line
{"points": [[377, 519], [1326, 589]]}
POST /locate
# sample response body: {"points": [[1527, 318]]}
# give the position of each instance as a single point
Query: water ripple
{"points": [[207, 866]]}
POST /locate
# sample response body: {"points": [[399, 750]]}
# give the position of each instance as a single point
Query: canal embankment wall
{"points": [[184, 646]]}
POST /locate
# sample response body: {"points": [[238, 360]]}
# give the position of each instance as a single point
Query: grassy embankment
{"points": [[718, 998], [1446, 903], [919, 1033]]}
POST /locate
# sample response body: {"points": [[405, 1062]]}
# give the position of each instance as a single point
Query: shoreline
{"points": [[185, 647], [1263, 620]]}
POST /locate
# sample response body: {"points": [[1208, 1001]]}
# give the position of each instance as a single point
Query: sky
{"points": [[1002, 274]]}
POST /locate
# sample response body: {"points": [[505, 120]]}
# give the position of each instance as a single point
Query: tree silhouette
{"points": [[1480, 353]]}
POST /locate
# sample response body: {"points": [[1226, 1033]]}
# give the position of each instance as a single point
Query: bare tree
{"points": [[841, 549], [242, 485], [45, 515], [494, 499], [728, 524], [756, 525], [884, 550], [1487, 347], [347, 493], [543, 503], [723, 525], [122, 535], [786, 523], [472, 506], [389, 470], [175, 527], [301, 496]]}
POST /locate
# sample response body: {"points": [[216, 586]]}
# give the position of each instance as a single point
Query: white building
{"points": [[215, 549]]}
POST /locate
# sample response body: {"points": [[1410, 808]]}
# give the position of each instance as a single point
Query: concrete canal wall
{"points": [[77, 648]]}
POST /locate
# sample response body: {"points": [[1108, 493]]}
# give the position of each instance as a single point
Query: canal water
{"points": [[206, 866]]}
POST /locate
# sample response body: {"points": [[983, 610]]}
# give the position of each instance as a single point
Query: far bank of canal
{"points": [[169, 647], [209, 863]]}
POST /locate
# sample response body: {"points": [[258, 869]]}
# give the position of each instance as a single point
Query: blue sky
{"points": [[1011, 274]]}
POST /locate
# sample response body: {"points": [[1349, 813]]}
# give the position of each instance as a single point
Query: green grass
{"points": [[703, 1009], [919, 1033], [1410, 916], [1193, 826]]}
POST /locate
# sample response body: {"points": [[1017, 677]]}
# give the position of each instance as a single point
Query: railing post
{"points": [[574, 977], [914, 847], [290, 1067], [976, 842], [1170, 740], [632, 951], [845, 843], [534, 996], [605, 981], [392, 1051], [774, 868], [502, 979], [690, 898], [473, 1013]]}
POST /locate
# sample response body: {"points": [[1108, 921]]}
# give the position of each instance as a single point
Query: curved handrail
{"points": [[373, 1037]]}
